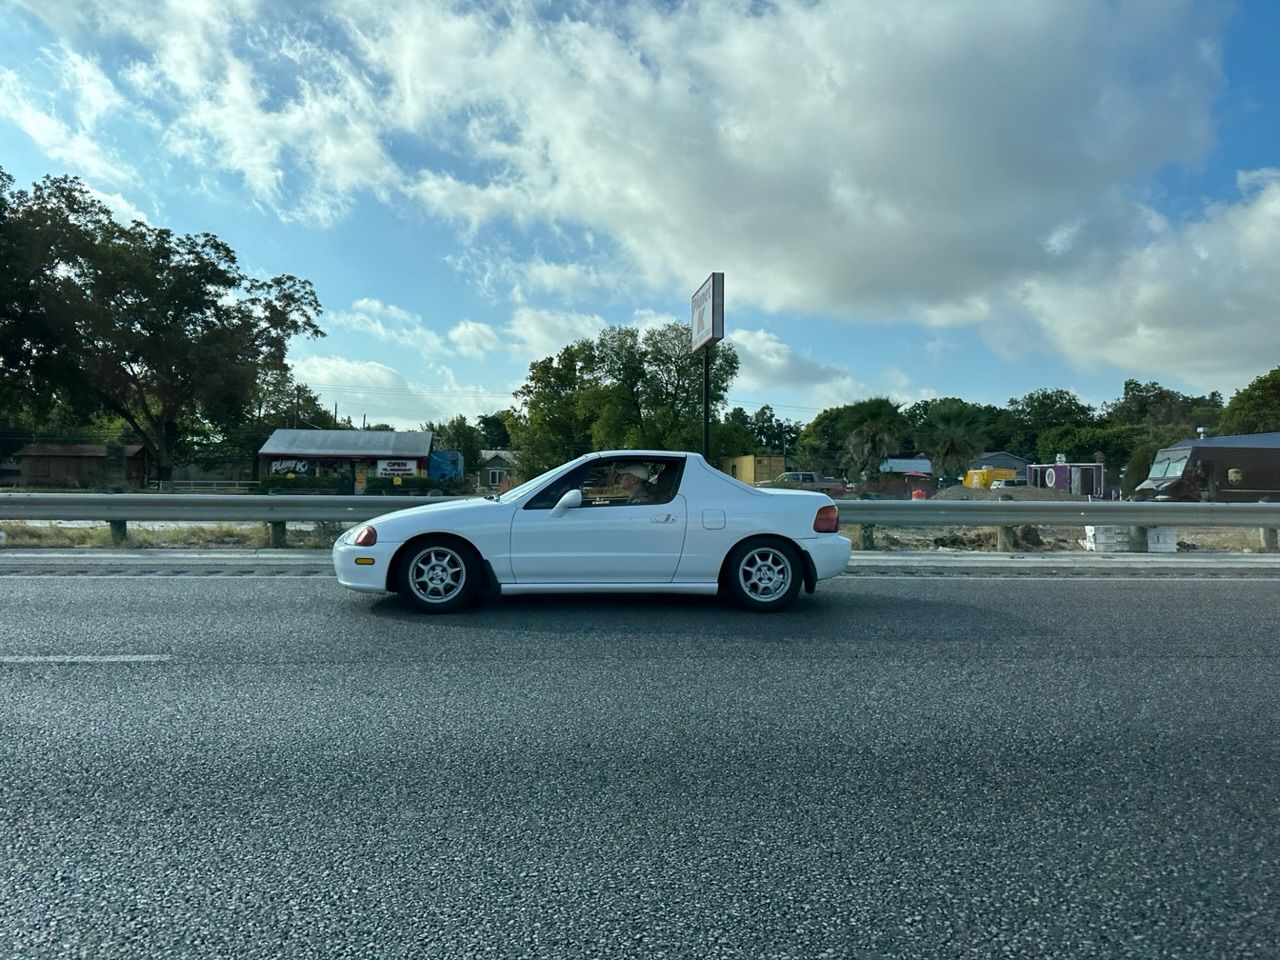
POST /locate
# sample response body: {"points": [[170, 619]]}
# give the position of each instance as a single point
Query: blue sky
{"points": [[916, 199]]}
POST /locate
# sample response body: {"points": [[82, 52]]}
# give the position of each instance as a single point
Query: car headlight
{"points": [[366, 536]]}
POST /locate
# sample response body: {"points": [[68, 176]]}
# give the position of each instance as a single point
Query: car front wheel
{"points": [[438, 576], [764, 576]]}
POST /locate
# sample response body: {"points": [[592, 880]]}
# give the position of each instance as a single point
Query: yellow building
{"points": [[751, 469]]}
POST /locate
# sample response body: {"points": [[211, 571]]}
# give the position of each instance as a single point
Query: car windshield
{"points": [[515, 493], [1167, 467]]}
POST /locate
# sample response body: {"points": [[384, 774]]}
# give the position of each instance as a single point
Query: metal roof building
{"points": [[348, 444]]}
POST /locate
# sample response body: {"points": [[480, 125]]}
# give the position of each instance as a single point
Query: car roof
{"points": [[647, 453]]}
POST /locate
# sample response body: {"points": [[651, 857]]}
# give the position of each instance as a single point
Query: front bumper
{"points": [[365, 576]]}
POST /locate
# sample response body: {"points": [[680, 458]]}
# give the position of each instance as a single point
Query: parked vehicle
{"points": [[622, 521], [807, 480], [1008, 482], [1239, 469], [984, 478]]}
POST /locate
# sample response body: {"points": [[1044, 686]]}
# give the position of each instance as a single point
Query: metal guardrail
{"points": [[887, 513], [1056, 513], [229, 508]]}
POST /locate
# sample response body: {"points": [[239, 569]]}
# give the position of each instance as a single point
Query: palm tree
{"points": [[951, 435], [878, 429]]}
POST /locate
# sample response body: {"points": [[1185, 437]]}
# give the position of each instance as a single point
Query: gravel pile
{"points": [[1011, 493]]}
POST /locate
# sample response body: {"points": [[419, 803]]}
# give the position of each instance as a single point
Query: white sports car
{"points": [[631, 521]]}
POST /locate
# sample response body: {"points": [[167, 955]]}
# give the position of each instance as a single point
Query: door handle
{"points": [[665, 518]]}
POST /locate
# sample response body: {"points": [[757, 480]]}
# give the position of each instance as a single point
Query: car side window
{"points": [[616, 482]]}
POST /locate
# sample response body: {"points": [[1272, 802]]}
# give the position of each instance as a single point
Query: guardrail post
{"points": [[866, 536], [1137, 539], [278, 537], [1005, 539], [119, 531], [1267, 539]]}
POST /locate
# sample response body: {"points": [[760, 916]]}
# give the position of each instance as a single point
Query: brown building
{"points": [[80, 465]]}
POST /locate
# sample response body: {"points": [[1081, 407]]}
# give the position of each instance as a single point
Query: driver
{"points": [[634, 479]]}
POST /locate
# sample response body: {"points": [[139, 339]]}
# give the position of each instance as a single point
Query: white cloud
{"points": [[390, 324], [767, 362], [123, 210], [932, 163], [837, 393], [73, 146], [376, 393], [534, 334], [472, 339], [826, 155], [1202, 299]]}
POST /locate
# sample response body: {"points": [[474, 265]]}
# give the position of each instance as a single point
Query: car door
{"points": [[609, 538]]}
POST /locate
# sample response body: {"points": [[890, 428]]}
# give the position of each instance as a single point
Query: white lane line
{"points": [[167, 576], [1113, 577], [85, 658]]}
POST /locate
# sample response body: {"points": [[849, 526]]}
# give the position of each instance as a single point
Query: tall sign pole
{"points": [[708, 329]]}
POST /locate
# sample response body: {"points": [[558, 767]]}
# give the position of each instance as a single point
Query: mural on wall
{"points": [[445, 465]]}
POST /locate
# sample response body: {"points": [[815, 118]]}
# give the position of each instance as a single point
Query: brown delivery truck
{"points": [[1239, 469]]}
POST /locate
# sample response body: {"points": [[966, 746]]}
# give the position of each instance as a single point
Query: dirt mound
{"points": [[1005, 493]]}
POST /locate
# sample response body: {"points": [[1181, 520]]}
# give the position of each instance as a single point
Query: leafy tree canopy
{"points": [[156, 328], [1255, 408], [950, 433], [1156, 408], [878, 429], [458, 434], [622, 390]]}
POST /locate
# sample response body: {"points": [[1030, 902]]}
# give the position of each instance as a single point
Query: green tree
{"points": [[1160, 411], [1137, 467], [1040, 410], [277, 402], [458, 434], [1083, 444], [820, 445], [951, 435], [493, 431], [622, 390], [1255, 408], [550, 427], [878, 431], [156, 328]]}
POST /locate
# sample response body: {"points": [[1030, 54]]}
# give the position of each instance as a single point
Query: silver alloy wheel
{"points": [[765, 574], [437, 575]]}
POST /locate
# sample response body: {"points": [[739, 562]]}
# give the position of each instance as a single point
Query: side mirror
{"points": [[571, 499]]}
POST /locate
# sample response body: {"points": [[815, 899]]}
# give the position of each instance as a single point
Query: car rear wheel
{"points": [[438, 576], [764, 576]]}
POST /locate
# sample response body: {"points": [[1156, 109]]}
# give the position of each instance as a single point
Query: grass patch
{"points": [[231, 536]]}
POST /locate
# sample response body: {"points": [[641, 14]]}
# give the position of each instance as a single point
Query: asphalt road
{"points": [[899, 767]]}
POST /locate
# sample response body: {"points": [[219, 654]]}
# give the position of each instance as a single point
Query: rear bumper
{"points": [[830, 554]]}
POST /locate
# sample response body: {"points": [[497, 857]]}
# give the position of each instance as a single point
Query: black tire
{"points": [[438, 575], [764, 576]]}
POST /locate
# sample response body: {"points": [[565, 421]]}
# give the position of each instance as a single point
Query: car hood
{"points": [[388, 523]]}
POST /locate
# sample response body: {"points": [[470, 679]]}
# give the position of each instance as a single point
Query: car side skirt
{"points": [[699, 589]]}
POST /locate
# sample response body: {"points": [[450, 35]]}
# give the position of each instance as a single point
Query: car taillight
{"points": [[827, 520], [366, 536]]}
